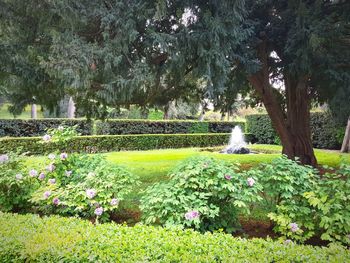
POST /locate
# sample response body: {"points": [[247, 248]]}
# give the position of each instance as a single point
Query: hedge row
{"points": [[30, 128], [324, 131], [164, 127], [29, 238], [106, 143]]}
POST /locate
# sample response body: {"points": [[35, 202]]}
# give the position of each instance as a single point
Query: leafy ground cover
{"points": [[30, 238], [154, 166]]}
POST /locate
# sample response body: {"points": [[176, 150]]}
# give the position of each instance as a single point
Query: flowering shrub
{"points": [[83, 185], [331, 200], [307, 204], [16, 186], [284, 182], [202, 193], [60, 134]]}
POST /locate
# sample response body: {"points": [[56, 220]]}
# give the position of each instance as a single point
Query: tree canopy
{"points": [[114, 53]]}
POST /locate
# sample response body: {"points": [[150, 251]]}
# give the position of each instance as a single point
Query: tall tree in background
{"points": [[25, 40], [113, 53]]}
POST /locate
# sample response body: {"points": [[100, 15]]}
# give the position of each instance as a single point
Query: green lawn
{"points": [[150, 165], [5, 114], [154, 165]]}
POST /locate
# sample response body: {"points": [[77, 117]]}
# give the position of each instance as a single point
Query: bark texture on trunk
{"points": [[166, 115], [298, 121], [293, 127], [346, 141]]}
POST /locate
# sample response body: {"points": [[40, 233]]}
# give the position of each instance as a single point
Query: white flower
{"points": [[19, 177], [250, 181], [60, 128], [91, 193], [33, 173], [47, 194], [4, 158], [98, 211], [64, 156], [52, 181], [114, 202], [46, 138], [52, 156], [51, 167]]}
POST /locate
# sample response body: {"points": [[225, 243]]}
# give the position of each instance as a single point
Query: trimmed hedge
{"points": [[29, 238], [105, 143], [324, 131], [163, 127], [260, 127], [31, 128]]}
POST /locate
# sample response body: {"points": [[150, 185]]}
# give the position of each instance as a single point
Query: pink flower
{"points": [[64, 156], [47, 194], [56, 201], [41, 176], [90, 193], [294, 227], [52, 156], [250, 181], [52, 181], [46, 138], [33, 173], [4, 158], [228, 177], [114, 202], [98, 211], [68, 173], [190, 215], [19, 177], [51, 167]]}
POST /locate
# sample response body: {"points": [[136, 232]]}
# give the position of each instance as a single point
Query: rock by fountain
{"points": [[237, 143]]}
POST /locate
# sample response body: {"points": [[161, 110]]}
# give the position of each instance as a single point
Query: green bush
{"points": [[259, 125], [82, 185], [106, 143], [29, 238], [16, 185], [163, 127], [202, 193], [324, 131], [331, 200], [284, 183], [32, 128], [307, 204]]}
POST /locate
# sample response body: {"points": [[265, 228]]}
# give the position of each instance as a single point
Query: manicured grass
{"points": [[5, 114], [149, 165], [153, 166]]}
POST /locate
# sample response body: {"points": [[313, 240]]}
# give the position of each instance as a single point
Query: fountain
{"points": [[237, 143]]}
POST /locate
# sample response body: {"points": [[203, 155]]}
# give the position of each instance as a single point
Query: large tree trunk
{"points": [[293, 129], [298, 120], [166, 115], [346, 141]]}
